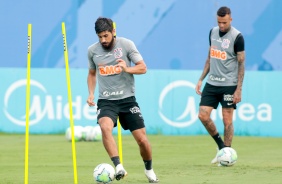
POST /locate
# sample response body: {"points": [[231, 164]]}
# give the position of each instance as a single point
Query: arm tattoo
{"points": [[206, 68], [241, 68]]}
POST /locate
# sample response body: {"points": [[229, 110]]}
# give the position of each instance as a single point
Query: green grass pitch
{"points": [[176, 159]]}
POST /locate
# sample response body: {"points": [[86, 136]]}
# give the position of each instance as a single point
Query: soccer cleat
{"points": [[215, 161], [120, 172], [150, 174]]}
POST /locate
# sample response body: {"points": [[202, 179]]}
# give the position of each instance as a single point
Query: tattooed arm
{"points": [[204, 74], [241, 72]]}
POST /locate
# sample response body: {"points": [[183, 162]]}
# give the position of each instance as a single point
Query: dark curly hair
{"points": [[103, 24]]}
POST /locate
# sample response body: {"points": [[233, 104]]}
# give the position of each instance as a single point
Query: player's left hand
{"points": [[122, 64], [237, 96]]}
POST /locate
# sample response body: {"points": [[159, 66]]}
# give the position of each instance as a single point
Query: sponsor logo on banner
{"points": [[190, 109], [245, 112], [44, 106]]}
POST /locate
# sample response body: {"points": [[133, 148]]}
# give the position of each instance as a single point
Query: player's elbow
{"points": [[144, 70]]}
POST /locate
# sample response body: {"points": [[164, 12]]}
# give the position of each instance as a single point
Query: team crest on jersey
{"points": [[118, 53], [225, 43]]}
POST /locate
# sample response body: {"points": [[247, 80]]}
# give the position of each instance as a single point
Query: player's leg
{"points": [[227, 114], [146, 153], [210, 101], [109, 143], [107, 119], [204, 116], [131, 118]]}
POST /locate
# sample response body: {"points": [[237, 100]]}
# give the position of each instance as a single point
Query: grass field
{"points": [[176, 159]]}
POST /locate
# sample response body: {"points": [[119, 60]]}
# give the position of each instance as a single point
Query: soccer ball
{"points": [[104, 173], [92, 133], [227, 156], [78, 132]]}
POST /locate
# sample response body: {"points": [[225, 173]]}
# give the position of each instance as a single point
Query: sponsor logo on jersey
{"points": [[218, 54], [225, 43], [216, 78], [118, 52], [112, 93], [109, 70]]}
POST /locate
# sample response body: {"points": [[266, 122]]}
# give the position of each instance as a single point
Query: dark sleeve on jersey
{"points": [[210, 36], [239, 44]]}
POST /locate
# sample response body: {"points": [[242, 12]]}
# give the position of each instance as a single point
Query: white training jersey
{"points": [[114, 84]]}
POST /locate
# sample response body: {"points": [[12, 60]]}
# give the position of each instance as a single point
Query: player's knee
{"points": [[203, 117], [143, 142]]}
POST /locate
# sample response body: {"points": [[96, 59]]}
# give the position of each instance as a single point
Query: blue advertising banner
{"points": [[167, 100]]}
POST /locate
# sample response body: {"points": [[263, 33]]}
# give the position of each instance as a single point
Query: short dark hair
{"points": [[103, 24], [224, 10]]}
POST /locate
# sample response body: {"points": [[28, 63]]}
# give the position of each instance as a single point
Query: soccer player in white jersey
{"points": [[113, 61], [225, 69]]}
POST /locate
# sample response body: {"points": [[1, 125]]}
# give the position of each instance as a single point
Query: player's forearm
{"points": [[241, 69], [91, 82], [205, 70], [137, 69]]}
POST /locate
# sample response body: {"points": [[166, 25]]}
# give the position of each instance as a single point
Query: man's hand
{"points": [[237, 96], [122, 64], [198, 87], [90, 100]]}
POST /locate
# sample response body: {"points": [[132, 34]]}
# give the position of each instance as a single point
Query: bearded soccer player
{"points": [[110, 62], [225, 69]]}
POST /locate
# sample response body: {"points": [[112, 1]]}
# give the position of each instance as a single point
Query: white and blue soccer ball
{"points": [[92, 133], [104, 173], [227, 156], [78, 133]]}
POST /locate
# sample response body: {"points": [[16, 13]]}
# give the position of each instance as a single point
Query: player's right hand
{"points": [[198, 87], [90, 100]]}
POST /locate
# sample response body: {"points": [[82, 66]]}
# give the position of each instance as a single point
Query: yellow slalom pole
{"points": [[114, 26], [120, 143], [69, 100], [118, 124], [27, 102]]}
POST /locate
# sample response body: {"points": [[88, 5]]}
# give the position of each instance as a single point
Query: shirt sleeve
{"points": [[210, 36], [239, 44], [91, 64], [133, 54]]}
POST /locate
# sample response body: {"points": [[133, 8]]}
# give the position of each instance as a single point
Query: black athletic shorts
{"points": [[127, 110], [213, 95]]}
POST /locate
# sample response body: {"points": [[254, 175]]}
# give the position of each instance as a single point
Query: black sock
{"points": [[115, 160], [148, 164], [218, 141]]}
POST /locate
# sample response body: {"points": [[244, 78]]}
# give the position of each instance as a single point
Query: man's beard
{"points": [[110, 44]]}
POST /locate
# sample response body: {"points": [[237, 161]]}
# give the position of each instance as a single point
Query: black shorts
{"points": [[213, 95], [127, 110]]}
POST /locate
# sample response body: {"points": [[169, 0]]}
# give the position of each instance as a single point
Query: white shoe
{"points": [[215, 161], [120, 172], [150, 174]]}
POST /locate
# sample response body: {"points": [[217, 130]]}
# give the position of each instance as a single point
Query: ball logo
{"points": [[190, 108], [8, 94]]}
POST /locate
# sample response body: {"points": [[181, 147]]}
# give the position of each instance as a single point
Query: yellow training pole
{"points": [[120, 143], [27, 103], [118, 123], [69, 100]]}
